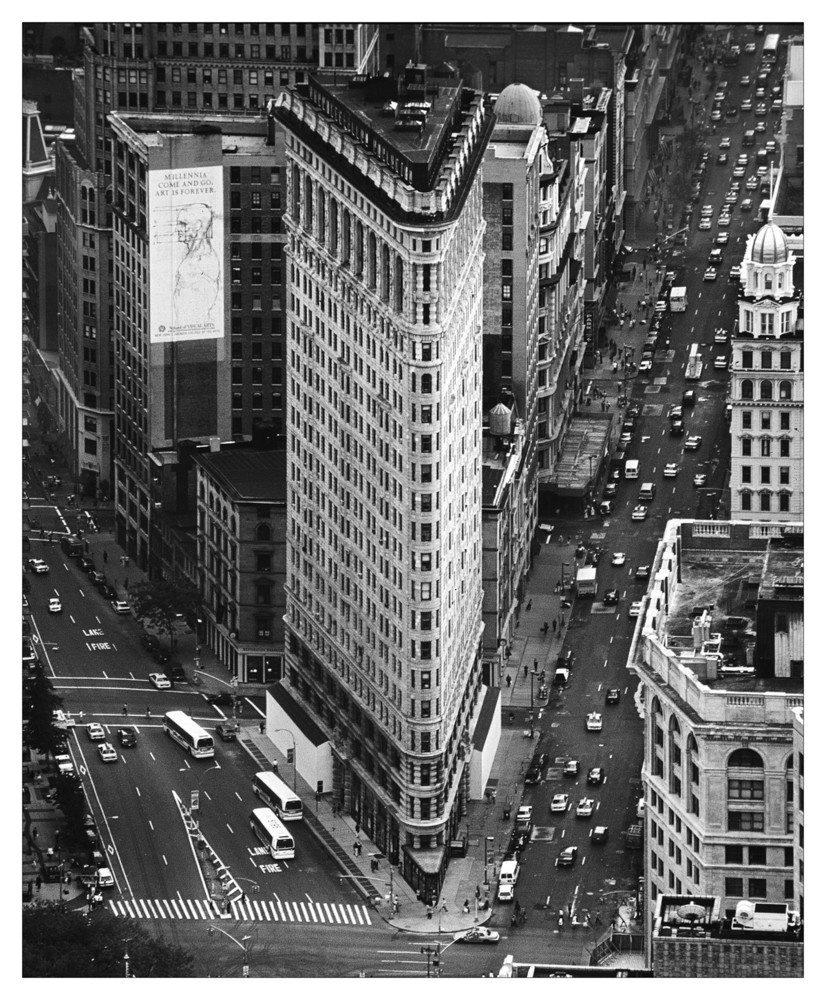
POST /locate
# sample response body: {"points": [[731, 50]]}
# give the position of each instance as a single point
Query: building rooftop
{"points": [[248, 474], [699, 917]]}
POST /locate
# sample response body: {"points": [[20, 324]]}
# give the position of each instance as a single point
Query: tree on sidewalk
{"points": [[161, 603], [62, 943], [40, 731]]}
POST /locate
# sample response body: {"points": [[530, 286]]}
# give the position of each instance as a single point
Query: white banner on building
{"points": [[186, 255]]}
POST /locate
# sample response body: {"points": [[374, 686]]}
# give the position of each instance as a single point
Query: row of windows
{"points": [[765, 501], [784, 417], [784, 451], [766, 359], [226, 28], [284, 53], [766, 389], [207, 100], [767, 324], [755, 888]]}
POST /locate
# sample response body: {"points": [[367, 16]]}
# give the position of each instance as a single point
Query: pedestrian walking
{"points": [[148, 713], [528, 605], [125, 710], [526, 669], [553, 625], [105, 556], [34, 833], [508, 680], [39, 883], [358, 827], [355, 849]]}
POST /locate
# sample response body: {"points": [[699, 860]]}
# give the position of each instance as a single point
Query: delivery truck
{"points": [[586, 582]]}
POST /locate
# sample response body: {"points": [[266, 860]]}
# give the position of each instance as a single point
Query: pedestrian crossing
{"points": [[274, 911]]}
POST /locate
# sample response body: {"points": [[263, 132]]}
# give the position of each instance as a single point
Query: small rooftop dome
{"points": [[770, 246], [519, 105]]}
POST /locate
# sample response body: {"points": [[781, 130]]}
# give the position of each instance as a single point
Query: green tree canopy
{"points": [[40, 727], [62, 943], [159, 602]]}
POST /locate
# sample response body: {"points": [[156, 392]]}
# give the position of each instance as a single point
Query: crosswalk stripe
{"points": [[297, 911]]}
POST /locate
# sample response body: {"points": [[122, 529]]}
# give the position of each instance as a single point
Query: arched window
{"points": [[657, 738], [427, 383], [747, 389], [745, 757], [779, 281], [692, 772], [754, 278], [785, 390], [675, 757], [766, 389], [263, 533]]}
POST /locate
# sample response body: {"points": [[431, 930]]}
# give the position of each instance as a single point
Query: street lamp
{"points": [[243, 944], [287, 755]]}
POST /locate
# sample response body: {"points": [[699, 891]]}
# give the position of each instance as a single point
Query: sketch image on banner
{"points": [[186, 254]]}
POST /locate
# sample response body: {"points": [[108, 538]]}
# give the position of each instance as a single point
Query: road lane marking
{"points": [[151, 826], [138, 791], [238, 797], [163, 856]]}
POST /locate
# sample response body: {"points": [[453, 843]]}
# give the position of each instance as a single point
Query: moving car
{"points": [[95, 732], [610, 597], [746, 205], [675, 412], [599, 834], [731, 197], [720, 336], [228, 731], [693, 443], [176, 672], [645, 365], [54, 604], [571, 769], [643, 572], [639, 513], [593, 722], [160, 681], [734, 274], [524, 817], [706, 211], [671, 470], [618, 559], [567, 857], [585, 808], [745, 81], [710, 274], [761, 108], [725, 143], [559, 803], [596, 776], [677, 428], [610, 490], [689, 397], [720, 361], [700, 479], [127, 737], [121, 607], [724, 221], [750, 48], [721, 239], [635, 610], [107, 753], [38, 566], [722, 159], [760, 127], [704, 224], [752, 182], [612, 696], [221, 698], [477, 935]]}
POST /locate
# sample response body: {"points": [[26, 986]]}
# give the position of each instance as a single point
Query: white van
{"points": [[508, 874], [648, 491], [632, 468]]}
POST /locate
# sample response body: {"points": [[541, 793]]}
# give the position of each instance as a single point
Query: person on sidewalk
{"points": [[508, 680]]}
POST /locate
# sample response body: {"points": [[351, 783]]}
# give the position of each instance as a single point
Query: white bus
{"points": [[189, 734], [694, 368], [278, 795], [272, 833], [770, 46]]}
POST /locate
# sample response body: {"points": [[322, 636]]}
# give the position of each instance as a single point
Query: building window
{"points": [[765, 447], [746, 421], [745, 473], [507, 240], [746, 447], [734, 854], [766, 389], [757, 855], [748, 822], [766, 359], [507, 192], [785, 420], [747, 389], [785, 447], [757, 888], [263, 562], [785, 390], [734, 887], [785, 502]]}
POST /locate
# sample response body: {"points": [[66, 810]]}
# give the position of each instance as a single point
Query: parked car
{"points": [[610, 490], [121, 607], [643, 572], [571, 769], [635, 610], [38, 566]]}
